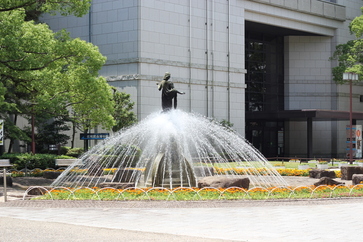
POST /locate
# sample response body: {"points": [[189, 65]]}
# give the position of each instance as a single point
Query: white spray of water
{"points": [[170, 149]]}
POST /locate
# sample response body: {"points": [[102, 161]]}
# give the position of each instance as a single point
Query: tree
{"points": [[65, 7], [50, 132], [123, 115], [93, 108], [49, 74], [350, 54]]}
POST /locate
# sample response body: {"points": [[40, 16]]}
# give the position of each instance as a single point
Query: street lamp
{"points": [[350, 76]]}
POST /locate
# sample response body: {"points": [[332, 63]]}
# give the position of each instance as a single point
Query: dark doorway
{"points": [[265, 88], [267, 136]]}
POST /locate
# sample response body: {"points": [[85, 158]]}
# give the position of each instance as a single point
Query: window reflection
{"points": [[264, 79]]}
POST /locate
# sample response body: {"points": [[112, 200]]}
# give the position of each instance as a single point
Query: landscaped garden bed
{"points": [[254, 193], [183, 194], [218, 170]]}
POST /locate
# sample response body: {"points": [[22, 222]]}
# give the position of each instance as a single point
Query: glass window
{"points": [[264, 78]]}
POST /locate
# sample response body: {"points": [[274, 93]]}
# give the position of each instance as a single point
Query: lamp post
{"points": [[350, 76]]}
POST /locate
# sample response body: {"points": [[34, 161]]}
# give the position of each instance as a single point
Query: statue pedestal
{"points": [[169, 174]]}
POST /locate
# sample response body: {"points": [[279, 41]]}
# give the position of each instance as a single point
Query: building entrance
{"points": [[267, 137], [265, 89]]}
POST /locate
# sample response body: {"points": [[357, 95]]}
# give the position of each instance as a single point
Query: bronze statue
{"points": [[168, 93]]}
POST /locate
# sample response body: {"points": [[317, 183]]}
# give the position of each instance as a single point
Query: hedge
{"points": [[30, 161]]}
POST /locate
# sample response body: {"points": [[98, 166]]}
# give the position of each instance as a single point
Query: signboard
{"points": [[356, 141], [358, 138], [94, 136], [1, 132]]}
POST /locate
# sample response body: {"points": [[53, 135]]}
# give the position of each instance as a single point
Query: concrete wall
{"points": [[308, 71], [308, 82], [192, 40], [201, 43]]}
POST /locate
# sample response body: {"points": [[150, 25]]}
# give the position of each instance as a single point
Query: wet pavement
{"points": [[282, 220]]}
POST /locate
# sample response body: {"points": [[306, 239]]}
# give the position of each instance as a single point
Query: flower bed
{"points": [[32, 173], [187, 194], [221, 171], [265, 171]]}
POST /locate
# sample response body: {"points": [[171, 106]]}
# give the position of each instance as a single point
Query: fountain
{"points": [[170, 149]]}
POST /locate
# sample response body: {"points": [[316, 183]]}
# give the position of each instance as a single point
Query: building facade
{"points": [[249, 62]]}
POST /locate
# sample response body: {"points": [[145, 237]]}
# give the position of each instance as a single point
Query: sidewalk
{"points": [[305, 220]]}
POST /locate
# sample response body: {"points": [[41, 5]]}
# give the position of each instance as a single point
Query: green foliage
{"points": [[123, 115], [75, 152], [14, 132], [64, 157], [30, 161], [63, 150], [94, 105], [118, 155], [350, 54], [226, 124], [65, 7], [70, 152], [47, 74], [51, 133], [191, 194]]}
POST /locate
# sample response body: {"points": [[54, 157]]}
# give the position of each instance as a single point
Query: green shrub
{"points": [[30, 161], [64, 157], [119, 155], [75, 152], [63, 150], [111, 161]]}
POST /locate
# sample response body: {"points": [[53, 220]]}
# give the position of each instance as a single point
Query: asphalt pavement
{"points": [[285, 220]]}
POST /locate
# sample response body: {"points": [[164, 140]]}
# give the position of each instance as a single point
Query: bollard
{"points": [[4, 164], [5, 195]]}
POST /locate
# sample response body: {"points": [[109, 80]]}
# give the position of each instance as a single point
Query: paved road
{"points": [[309, 220], [14, 230]]}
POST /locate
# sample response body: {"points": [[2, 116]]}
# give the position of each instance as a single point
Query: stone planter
{"points": [[279, 167], [342, 164], [303, 167], [322, 166], [294, 160], [319, 173], [51, 174], [68, 162], [349, 171]]}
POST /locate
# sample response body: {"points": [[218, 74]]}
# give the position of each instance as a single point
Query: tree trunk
{"points": [[73, 134], [11, 143]]}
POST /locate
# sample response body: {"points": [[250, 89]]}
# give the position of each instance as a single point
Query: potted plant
{"points": [[322, 165], [279, 166], [294, 160], [342, 163], [303, 166], [313, 161]]}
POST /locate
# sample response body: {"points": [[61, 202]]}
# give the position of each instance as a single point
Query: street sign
{"points": [[94, 136]]}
